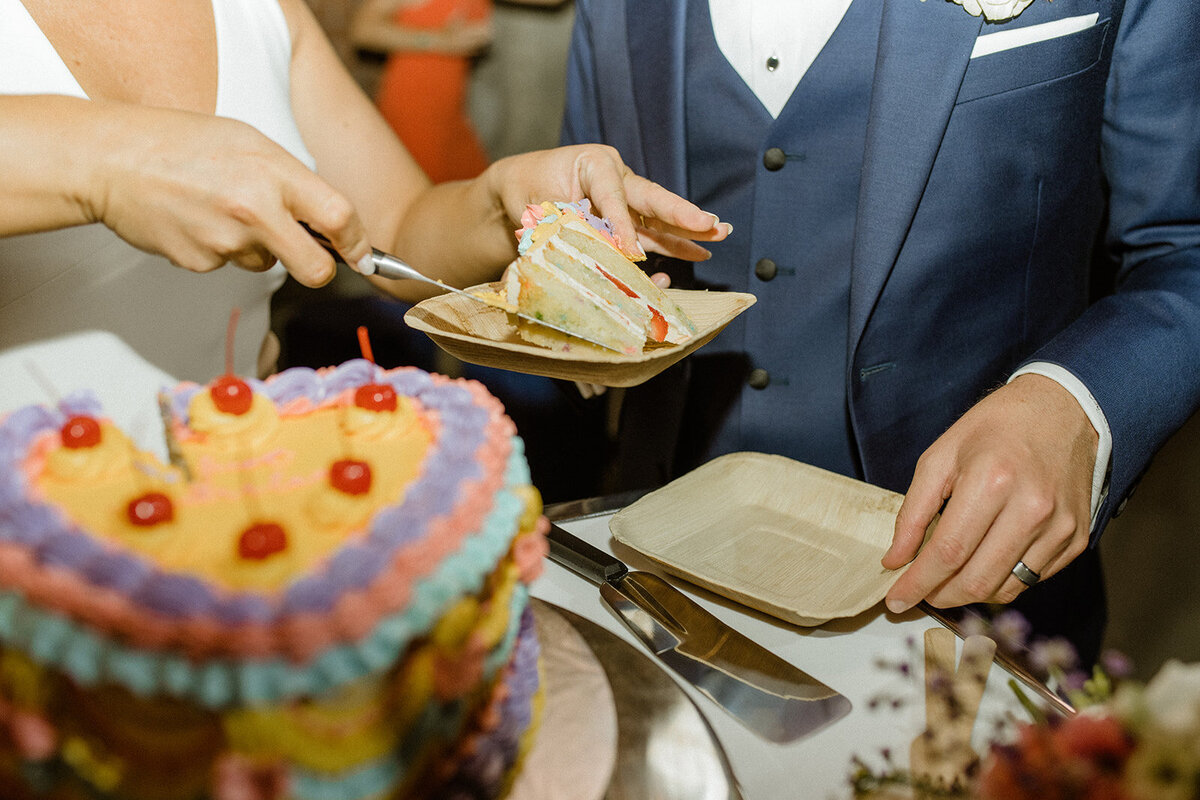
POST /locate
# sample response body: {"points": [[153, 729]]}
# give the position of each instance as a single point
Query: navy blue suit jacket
{"points": [[994, 191]]}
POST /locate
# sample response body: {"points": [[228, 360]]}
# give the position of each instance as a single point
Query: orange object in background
{"points": [[422, 93]]}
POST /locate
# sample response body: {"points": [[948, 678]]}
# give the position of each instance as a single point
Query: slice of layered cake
{"points": [[326, 598], [571, 274]]}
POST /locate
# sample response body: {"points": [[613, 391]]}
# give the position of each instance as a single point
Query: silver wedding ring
{"points": [[1025, 575]]}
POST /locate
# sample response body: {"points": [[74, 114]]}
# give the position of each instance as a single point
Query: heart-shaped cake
{"points": [[323, 595]]}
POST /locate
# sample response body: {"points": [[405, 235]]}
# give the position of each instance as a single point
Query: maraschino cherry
{"points": [[261, 540], [80, 431], [231, 394], [351, 477], [150, 509], [373, 396]]}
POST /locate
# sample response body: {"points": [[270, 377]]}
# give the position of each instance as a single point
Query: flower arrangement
{"points": [[1126, 741], [994, 10]]}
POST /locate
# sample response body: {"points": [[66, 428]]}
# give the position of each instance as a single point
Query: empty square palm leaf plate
{"points": [[785, 538], [480, 334]]}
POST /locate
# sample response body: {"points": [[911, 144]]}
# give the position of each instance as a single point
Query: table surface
{"points": [[850, 655]]}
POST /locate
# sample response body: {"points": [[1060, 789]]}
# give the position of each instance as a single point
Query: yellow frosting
{"points": [[330, 733], [416, 677], [91, 763], [456, 624], [531, 499], [22, 681], [232, 431], [493, 623], [114, 454], [278, 475]]}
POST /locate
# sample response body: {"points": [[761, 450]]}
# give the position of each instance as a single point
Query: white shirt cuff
{"points": [[1095, 414]]}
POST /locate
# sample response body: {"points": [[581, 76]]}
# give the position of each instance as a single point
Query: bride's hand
{"points": [[644, 215], [205, 190]]}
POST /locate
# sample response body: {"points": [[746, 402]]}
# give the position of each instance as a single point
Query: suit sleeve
{"points": [[1138, 348]]}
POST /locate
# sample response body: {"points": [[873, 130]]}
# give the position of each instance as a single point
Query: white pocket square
{"points": [[1019, 37]]}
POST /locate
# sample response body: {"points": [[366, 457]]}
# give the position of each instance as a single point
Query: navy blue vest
{"points": [[798, 261]]}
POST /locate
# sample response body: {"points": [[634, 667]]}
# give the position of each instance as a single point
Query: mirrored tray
{"points": [[615, 725], [482, 334]]}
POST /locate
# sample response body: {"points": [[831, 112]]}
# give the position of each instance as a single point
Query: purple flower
{"points": [[1116, 664], [1011, 631], [1047, 655]]}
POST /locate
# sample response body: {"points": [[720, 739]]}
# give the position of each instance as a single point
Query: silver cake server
{"points": [[389, 266], [767, 694]]}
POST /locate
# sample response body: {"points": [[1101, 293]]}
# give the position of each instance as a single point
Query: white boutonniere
{"points": [[994, 10]]}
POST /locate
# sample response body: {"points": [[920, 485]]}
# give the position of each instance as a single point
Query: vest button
{"points": [[765, 269], [774, 158], [759, 378]]}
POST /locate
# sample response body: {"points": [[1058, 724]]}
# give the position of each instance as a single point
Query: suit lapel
{"points": [[656, 34], [924, 48]]}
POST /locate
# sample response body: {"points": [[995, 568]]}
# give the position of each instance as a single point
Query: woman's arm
{"points": [[46, 178], [462, 232], [203, 190], [198, 189]]}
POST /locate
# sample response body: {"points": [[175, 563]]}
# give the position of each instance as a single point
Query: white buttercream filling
{"points": [[631, 325]]}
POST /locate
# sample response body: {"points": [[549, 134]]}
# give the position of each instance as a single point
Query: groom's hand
{"points": [[1012, 479]]}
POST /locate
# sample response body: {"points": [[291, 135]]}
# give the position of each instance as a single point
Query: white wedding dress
{"points": [[87, 278]]}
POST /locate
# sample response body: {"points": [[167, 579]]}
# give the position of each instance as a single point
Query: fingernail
{"points": [[728, 227], [365, 265], [897, 606], [716, 220]]}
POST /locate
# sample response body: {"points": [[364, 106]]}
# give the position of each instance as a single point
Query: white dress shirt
{"points": [[771, 44]]}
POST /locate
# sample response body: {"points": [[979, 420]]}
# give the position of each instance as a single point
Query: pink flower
{"points": [[1024, 769], [458, 671], [238, 777], [35, 738], [1095, 737], [529, 554], [1081, 757]]}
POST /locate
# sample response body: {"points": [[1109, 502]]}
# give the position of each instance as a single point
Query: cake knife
{"points": [[767, 694], [174, 451], [389, 266]]}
